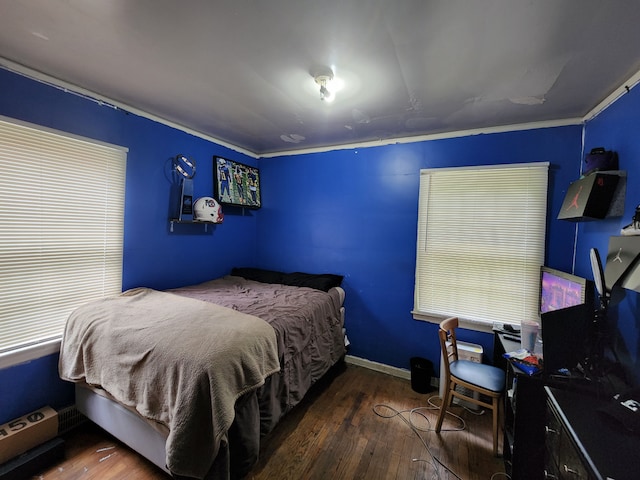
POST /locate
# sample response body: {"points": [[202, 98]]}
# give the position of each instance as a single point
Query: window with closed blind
{"points": [[481, 239], [61, 230]]}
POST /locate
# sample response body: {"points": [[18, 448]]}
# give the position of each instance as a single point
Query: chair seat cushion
{"points": [[485, 376]]}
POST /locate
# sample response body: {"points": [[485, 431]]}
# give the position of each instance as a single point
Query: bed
{"points": [[192, 378]]}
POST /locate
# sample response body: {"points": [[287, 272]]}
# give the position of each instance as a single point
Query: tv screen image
{"points": [[560, 290], [236, 184]]}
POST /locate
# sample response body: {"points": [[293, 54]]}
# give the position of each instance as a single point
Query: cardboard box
{"points": [[26, 432]]}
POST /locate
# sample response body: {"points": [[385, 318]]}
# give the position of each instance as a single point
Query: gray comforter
{"points": [[175, 360], [308, 327]]}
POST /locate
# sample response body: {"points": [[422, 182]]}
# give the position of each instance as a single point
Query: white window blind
{"points": [[481, 239], [61, 229]]}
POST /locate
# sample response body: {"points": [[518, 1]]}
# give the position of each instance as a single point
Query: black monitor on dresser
{"points": [[566, 313], [565, 337]]}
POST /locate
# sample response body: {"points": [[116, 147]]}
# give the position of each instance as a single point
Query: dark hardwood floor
{"points": [[347, 428]]}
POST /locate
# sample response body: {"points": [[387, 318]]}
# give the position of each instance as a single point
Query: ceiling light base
{"points": [[322, 79]]}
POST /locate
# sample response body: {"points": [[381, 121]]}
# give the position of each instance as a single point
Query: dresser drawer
{"points": [[570, 464], [562, 460]]}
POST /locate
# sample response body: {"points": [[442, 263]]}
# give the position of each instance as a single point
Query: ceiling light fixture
{"points": [[323, 79]]}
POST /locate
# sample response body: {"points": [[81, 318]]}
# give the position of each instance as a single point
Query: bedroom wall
{"points": [[350, 211], [617, 129], [153, 256], [354, 212]]}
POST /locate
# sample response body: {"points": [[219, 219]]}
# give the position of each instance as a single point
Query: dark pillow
{"points": [[323, 281], [258, 274]]}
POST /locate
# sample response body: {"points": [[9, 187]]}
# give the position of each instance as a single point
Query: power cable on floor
{"points": [[408, 420]]}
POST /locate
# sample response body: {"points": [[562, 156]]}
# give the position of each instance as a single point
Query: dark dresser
{"points": [[583, 443]]}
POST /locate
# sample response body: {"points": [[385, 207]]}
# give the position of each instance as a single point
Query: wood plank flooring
{"points": [[347, 428]]}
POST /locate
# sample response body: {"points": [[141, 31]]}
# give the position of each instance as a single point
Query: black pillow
{"points": [[323, 281], [258, 274]]}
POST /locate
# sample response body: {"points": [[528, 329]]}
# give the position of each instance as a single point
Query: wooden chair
{"points": [[488, 381]]}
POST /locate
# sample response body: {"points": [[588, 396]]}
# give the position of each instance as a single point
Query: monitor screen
{"points": [[560, 290]]}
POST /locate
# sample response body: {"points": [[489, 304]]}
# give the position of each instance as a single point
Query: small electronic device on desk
{"points": [[511, 338], [508, 331]]}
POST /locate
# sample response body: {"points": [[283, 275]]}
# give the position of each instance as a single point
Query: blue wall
{"points": [[354, 212], [351, 211], [617, 129], [153, 256]]}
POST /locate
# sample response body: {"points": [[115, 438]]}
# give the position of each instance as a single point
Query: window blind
{"points": [[61, 229], [481, 239]]}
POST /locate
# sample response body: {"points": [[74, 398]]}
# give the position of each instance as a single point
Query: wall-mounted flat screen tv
{"points": [[236, 184]]}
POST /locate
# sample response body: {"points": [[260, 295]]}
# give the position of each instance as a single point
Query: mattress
{"points": [[309, 326]]}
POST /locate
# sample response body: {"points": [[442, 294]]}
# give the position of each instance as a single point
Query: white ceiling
{"points": [[240, 71]]}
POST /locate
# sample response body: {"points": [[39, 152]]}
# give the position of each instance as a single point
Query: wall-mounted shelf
{"points": [[175, 220], [595, 196]]}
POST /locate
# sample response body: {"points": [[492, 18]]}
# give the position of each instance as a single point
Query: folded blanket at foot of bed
{"points": [[175, 360]]}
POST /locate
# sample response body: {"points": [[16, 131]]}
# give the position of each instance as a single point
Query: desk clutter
{"points": [[526, 361], [528, 357]]}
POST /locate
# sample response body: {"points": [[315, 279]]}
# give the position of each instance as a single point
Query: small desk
{"points": [[524, 415]]}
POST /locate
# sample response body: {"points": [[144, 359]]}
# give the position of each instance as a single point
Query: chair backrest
{"points": [[448, 345]]}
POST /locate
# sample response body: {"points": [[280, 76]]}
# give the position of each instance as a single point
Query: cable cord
{"points": [[504, 474], [435, 461], [477, 413]]}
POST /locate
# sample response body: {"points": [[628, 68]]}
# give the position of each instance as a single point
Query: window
{"points": [[61, 230], [481, 238]]}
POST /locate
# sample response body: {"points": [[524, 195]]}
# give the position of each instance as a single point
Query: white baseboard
{"points": [[388, 369]]}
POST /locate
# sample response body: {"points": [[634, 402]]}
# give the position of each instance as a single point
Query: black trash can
{"points": [[421, 372]]}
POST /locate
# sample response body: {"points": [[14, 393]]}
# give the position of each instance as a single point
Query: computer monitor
{"points": [[566, 312], [560, 290]]}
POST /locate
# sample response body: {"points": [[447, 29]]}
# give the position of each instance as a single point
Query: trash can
{"points": [[421, 371]]}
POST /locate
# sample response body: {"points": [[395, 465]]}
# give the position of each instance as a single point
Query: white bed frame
{"points": [[124, 424]]}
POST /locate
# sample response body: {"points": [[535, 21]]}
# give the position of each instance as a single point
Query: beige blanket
{"points": [[176, 360]]}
